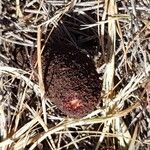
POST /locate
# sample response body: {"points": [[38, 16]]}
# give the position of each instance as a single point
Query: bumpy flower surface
{"points": [[71, 82]]}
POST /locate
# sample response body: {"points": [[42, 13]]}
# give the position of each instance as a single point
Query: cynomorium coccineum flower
{"points": [[71, 81]]}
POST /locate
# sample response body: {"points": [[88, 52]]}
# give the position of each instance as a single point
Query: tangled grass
{"points": [[115, 34]]}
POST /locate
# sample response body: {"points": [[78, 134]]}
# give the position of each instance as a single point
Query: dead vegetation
{"points": [[115, 34]]}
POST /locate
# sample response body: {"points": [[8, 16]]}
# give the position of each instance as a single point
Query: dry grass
{"points": [[115, 34]]}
